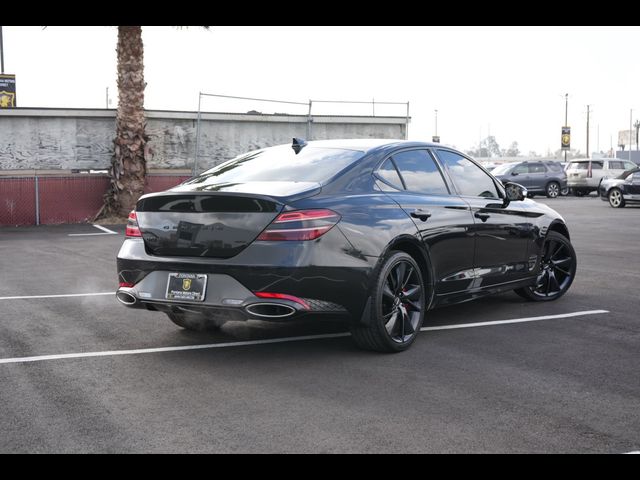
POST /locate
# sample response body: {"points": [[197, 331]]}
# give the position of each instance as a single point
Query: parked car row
{"points": [[542, 177], [584, 176], [552, 178]]}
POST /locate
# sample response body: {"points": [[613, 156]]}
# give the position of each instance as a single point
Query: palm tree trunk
{"points": [[128, 165]]}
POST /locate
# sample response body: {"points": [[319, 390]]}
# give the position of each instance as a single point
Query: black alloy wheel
{"points": [[398, 307], [557, 269]]}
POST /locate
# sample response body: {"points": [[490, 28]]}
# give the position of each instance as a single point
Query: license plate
{"points": [[186, 286]]}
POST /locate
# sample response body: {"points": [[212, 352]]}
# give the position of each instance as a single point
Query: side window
{"points": [[596, 165], [389, 174], [470, 180], [420, 172], [536, 168], [613, 165], [522, 169], [630, 165]]}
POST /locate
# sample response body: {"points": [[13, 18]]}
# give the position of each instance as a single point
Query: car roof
{"points": [[368, 144]]}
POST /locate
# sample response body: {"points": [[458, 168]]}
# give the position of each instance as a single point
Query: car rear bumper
{"points": [[321, 277]]}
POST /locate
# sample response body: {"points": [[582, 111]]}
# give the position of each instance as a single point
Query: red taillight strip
{"points": [[283, 296], [125, 285], [305, 215], [132, 230], [313, 224]]}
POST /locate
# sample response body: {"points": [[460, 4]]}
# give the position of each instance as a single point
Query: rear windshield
{"points": [[584, 165], [281, 164]]}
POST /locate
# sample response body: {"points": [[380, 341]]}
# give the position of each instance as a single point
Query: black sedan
{"points": [[621, 190], [375, 231]]}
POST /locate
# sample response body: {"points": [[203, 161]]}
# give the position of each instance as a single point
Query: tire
{"points": [[565, 191], [552, 190], [397, 308], [616, 200], [196, 323], [557, 265], [578, 193], [531, 195]]}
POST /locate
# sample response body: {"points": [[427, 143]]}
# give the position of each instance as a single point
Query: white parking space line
{"points": [[633, 453], [515, 320], [169, 349], [114, 353], [105, 231], [59, 296]]}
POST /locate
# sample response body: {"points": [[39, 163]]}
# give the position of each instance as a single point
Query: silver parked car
{"points": [[584, 176]]}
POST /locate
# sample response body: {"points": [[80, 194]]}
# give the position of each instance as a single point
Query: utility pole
{"points": [[107, 99], [1, 52], [436, 122], [588, 154], [566, 112], [630, 134]]}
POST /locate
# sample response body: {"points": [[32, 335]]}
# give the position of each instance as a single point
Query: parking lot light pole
{"points": [[566, 112], [1, 52]]}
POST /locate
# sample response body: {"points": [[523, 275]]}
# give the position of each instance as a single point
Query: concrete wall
{"points": [[67, 139]]}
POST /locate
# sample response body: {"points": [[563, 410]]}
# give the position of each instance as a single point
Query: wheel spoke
{"points": [[388, 315], [550, 248], [386, 290], [414, 305], [407, 327], [407, 277], [553, 282], [413, 292], [562, 261], [391, 324], [558, 269], [399, 275], [557, 251]]}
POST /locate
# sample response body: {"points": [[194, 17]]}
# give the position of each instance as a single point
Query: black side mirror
{"points": [[515, 192], [514, 173]]}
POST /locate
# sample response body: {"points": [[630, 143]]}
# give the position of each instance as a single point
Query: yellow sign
{"points": [[7, 90], [7, 99], [186, 284]]}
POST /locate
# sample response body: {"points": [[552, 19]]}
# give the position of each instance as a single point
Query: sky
{"points": [[509, 82]]}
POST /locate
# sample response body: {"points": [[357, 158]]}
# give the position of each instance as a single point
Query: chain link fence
{"points": [[47, 200]]}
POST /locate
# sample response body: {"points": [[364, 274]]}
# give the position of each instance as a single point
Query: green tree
{"points": [[513, 150]]}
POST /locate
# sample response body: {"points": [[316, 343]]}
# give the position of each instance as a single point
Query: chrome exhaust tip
{"points": [[126, 298], [270, 310]]}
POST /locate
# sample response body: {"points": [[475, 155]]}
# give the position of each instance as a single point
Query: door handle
{"points": [[482, 216], [421, 214]]}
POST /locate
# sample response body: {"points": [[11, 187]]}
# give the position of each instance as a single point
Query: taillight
{"points": [[133, 230], [125, 285], [284, 296], [300, 225]]}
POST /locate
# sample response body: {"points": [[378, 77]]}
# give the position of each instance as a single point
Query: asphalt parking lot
{"points": [[84, 374]]}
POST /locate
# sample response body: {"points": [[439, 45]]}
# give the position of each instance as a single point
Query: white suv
{"points": [[583, 176]]}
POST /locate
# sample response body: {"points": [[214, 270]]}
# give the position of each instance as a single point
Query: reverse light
{"points": [[300, 225], [133, 230], [283, 296]]}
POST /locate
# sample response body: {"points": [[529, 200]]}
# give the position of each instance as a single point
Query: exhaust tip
{"points": [[270, 310], [126, 298]]}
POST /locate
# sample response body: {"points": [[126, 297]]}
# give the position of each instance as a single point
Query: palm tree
{"points": [[128, 165]]}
